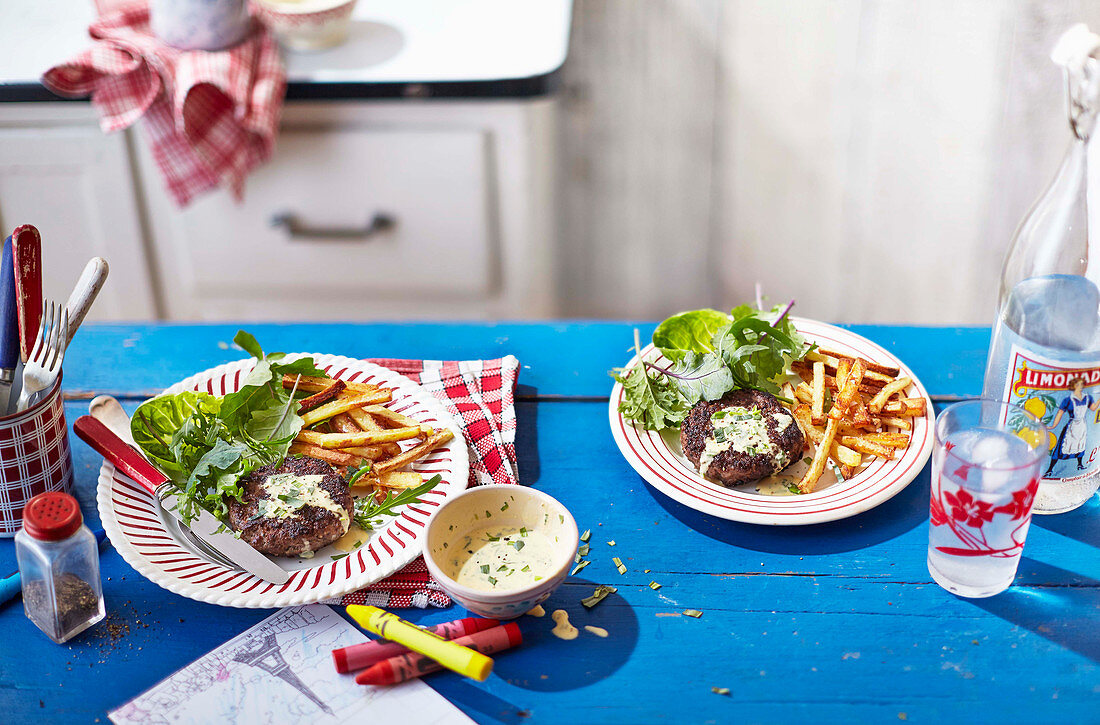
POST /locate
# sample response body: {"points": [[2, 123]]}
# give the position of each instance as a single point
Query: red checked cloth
{"points": [[480, 394], [210, 117]]}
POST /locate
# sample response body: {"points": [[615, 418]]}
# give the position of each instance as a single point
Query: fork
{"points": [[44, 363]]}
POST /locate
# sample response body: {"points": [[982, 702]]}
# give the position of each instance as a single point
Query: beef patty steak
{"points": [[753, 438], [295, 507]]}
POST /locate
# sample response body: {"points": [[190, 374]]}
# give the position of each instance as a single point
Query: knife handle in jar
{"points": [[9, 323], [104, 442], [27, 256]]}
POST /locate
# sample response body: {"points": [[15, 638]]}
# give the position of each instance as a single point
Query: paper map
{"points": [[281, 671]]}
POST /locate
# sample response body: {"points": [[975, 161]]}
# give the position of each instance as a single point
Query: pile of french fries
{"points": [[347, 423], [867, 402]]}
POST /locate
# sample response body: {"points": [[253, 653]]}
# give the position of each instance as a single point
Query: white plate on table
{"points": [[658, 458], [161, 555]]}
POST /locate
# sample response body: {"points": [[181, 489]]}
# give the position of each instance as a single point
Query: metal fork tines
{"points": [[44, 363]]}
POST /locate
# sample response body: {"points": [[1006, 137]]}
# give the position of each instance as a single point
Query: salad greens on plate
{"points": [[709, 353], [205, 444]]}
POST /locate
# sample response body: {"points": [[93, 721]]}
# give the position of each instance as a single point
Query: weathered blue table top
{"points": [[833, 622]]}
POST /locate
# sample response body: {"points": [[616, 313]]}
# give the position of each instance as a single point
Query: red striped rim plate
{"points": [[131, 520], [658, 459]]}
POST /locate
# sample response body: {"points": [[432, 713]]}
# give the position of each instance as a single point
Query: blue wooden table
{"points": [[833, 622]]}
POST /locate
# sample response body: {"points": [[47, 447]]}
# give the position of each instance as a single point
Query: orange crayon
{"points": [[407, 666], [358, 656]]}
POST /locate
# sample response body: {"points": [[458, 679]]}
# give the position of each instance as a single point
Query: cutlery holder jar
{"points": [[35, 457]]}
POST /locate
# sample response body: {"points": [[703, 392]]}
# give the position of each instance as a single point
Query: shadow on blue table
{"points": [[1063, 613], [888, 520], [593, 658], [1079, 524]]}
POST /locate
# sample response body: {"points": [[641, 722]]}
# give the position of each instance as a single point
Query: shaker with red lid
{"points": [[59, 563]]}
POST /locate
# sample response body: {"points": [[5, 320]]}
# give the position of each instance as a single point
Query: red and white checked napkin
{"points": [[210, 117], [480, 394]]}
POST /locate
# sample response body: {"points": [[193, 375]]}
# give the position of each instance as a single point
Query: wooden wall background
{"points": [[869, 158]]}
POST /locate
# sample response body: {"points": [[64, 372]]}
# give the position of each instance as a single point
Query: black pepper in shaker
{"points": [[59, 566]]}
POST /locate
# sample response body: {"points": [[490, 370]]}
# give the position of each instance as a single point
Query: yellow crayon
{"points": [[462, 660]]}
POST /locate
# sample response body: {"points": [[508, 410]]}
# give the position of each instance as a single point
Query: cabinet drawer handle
{"points": [[298, 231]]}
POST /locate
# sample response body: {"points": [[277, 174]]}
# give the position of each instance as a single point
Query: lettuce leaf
{"points": [[686, 332], [711, 353], [157, 420], [205, 444]]}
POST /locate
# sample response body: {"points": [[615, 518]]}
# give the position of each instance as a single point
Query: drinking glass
{"points": [[984, 477]]}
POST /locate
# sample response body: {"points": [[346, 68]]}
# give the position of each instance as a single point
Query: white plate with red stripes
{"points": [[131, 521], [659, 460]]}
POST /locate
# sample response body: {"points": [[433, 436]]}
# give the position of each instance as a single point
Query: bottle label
{"points": [[1066, 398]]}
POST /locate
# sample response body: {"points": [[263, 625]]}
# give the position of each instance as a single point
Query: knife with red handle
{"points": [[26, 248], [107, 444], [204, 525]]}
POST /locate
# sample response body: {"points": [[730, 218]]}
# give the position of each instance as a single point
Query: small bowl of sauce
{"points": [[500, 550]]}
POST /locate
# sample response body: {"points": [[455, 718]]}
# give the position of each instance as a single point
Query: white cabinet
{"points": [[59, 172], [372, 211]]}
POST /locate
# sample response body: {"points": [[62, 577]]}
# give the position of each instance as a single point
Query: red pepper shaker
{"points": [[59, 566]]}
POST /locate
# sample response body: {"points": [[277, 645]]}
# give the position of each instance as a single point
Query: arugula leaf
{"points": [[649, 398], [368, 512], [757, 353], [249, 344], [689, 332]]}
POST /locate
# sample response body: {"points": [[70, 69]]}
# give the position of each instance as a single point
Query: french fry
{"points": [[320, 397], [821, 456], [342, 405], [364, 420], [841, 454], [861, 444], [817, 392], [804, 369], [888, 390], [316, 385], [384, 415], [803, 393], [336, 458], [343, 423], [906, 407], [399, 479], [893, 440], [831, 357], [362, 438], [902, 423], [416, 452], [850, 390], [861, 416], [374, 453]]}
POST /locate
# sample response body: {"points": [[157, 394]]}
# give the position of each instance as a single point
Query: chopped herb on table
{"points": [[601, 593]]}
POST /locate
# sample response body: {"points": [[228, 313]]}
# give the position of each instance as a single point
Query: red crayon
{"points": [[358, 656], [407, 666]]}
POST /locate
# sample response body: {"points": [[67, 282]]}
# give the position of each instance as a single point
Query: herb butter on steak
{"points": [[742, 437], [292, 509]]}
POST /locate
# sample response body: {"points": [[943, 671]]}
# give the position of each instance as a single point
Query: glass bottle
{"points": [[1045, 352], [59, 567]]}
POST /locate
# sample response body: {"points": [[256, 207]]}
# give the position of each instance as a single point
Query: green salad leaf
{"points": [[701, 377], [156, 422], [689, 332], [206, 444], [649, 398], [369, 512], [711, 353]]}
